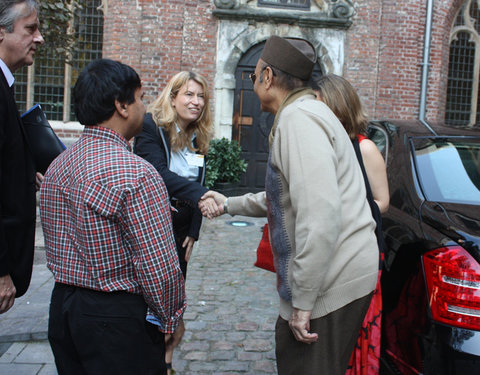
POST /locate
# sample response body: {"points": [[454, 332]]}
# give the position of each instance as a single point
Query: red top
{"points": [[361, 137]]}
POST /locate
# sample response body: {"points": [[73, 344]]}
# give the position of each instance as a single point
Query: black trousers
{"points": [[181, 220], [93, 332]]}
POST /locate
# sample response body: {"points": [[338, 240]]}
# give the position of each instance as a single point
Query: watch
{"points": [[225, 206]]}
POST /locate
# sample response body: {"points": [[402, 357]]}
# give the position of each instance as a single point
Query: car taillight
{"points": [[453, 282]]}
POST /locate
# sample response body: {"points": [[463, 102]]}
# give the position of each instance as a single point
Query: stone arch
{"points": [[328, 43]]}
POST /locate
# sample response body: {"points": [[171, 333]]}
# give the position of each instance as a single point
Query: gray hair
{"points": [[9, 14], [284, 80]]}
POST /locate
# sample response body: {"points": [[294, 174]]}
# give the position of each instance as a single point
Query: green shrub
{"points": [[223, 162]]}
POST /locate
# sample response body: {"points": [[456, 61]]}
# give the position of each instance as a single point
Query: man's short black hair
{"points": [[100, 83]]}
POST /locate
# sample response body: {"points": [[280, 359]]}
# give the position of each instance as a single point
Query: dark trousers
{"points": [[93, 332], [181, 220], [337, 334]]}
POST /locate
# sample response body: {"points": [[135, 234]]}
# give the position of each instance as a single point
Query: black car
{"points": [[431, 276]]}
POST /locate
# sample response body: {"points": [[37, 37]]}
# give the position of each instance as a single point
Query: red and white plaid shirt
{"points": [[106, 220]]}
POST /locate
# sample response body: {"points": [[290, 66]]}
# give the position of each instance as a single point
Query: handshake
{"points": [[212, 204]]}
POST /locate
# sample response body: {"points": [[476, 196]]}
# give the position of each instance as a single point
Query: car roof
{"points": [[416, 128]]}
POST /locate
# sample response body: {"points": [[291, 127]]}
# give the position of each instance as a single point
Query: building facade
{"points": [[381, 46]]}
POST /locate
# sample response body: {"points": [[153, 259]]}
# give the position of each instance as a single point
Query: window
{"points": [[462, 106], [380, 138], [300, 4], [449, 169], [49, 81]]}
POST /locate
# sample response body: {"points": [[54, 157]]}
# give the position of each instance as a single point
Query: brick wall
{"points": [[383, 51], [387, 68], [362, 49], [159, 38], [384, 55]]}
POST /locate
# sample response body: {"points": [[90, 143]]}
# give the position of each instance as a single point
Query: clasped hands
{"points": [[212, 204]]}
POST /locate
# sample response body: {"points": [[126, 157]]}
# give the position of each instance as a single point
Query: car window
{"points": [[449, 170], [379, 137]]}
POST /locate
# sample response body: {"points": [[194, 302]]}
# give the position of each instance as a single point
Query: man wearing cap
{"points": [[321, 229]]}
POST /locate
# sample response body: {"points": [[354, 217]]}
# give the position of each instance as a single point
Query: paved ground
{"points": [[229, 321]]}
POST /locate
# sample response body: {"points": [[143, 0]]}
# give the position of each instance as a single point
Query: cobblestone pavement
{"points": [[232, 309], [232, 304]]}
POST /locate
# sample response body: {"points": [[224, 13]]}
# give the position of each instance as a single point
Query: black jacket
{"points": [[153, 144], [17, 194]]}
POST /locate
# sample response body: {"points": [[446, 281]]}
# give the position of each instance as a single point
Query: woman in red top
{"points": [[342, 98]]}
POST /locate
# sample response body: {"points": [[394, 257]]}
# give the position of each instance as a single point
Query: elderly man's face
{"points": [[18, 47], [257, 85], [263, 87]]}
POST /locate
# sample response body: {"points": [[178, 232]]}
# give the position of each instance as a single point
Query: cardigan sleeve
{"points": [[254, 205], [149, 145]]}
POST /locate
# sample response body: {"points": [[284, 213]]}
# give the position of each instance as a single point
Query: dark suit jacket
{"points": [[153, 144], [17, 194]]}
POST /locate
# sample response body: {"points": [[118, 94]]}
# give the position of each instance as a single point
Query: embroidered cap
{"points": [[294, 56]]}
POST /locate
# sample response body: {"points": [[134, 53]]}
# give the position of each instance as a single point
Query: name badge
{"points": [[195, 160]]}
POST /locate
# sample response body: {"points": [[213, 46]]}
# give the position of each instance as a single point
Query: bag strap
{"points": [[377, 216]]}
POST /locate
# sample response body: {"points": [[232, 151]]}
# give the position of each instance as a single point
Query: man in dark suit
{"points": [[19, 38]]}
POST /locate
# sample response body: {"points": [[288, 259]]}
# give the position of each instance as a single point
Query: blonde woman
{"points": [[175, 137], [343, 100]]}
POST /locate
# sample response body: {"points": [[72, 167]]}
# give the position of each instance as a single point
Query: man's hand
{"points": [[7, 293], [172, 340], [300, 325], [38, 180], [188, 244], [208, 207], [211, 204]]}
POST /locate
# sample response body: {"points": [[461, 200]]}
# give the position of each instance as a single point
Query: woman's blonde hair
{"points": [[165, 115], [343, 100]]}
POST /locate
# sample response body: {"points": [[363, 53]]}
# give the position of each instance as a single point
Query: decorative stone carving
{"points": [[225, 4], [342, 8], [332, 13]]}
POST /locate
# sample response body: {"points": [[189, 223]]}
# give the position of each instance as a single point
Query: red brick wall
{"points": [[383, 50], [387, 70], [362, 52], [161, 38], [384, 55]]}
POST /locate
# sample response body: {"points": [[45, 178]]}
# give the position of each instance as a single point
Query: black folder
{"points": [[44, 143]]}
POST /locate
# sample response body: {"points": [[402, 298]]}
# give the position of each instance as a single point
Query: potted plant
{"points": [[224, 165]]}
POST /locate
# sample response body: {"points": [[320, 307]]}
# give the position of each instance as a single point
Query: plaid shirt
{"points": [[106, 220]]}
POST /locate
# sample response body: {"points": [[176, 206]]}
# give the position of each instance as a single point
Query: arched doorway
{"points": [[251, 126]]}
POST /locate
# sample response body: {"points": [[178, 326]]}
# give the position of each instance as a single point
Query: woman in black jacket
{"points": [[175, 137]]}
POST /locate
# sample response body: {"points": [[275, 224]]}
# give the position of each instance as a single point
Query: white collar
{"points": [[179, 130], [7, 73]]}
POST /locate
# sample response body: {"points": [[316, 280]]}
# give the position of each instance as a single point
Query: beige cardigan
{"points": [[321, 227]]}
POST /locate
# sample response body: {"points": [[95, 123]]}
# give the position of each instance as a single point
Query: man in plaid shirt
{"points": [[106, 220]]}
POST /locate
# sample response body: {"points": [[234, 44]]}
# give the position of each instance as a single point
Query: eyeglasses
{"points": [[253, 76]]}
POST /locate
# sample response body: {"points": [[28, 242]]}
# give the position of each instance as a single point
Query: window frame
{"points": [[284, 4], [464, 23], [31, 78]]}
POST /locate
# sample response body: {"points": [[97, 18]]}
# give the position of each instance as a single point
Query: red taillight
{"points": [[453, 282]]}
